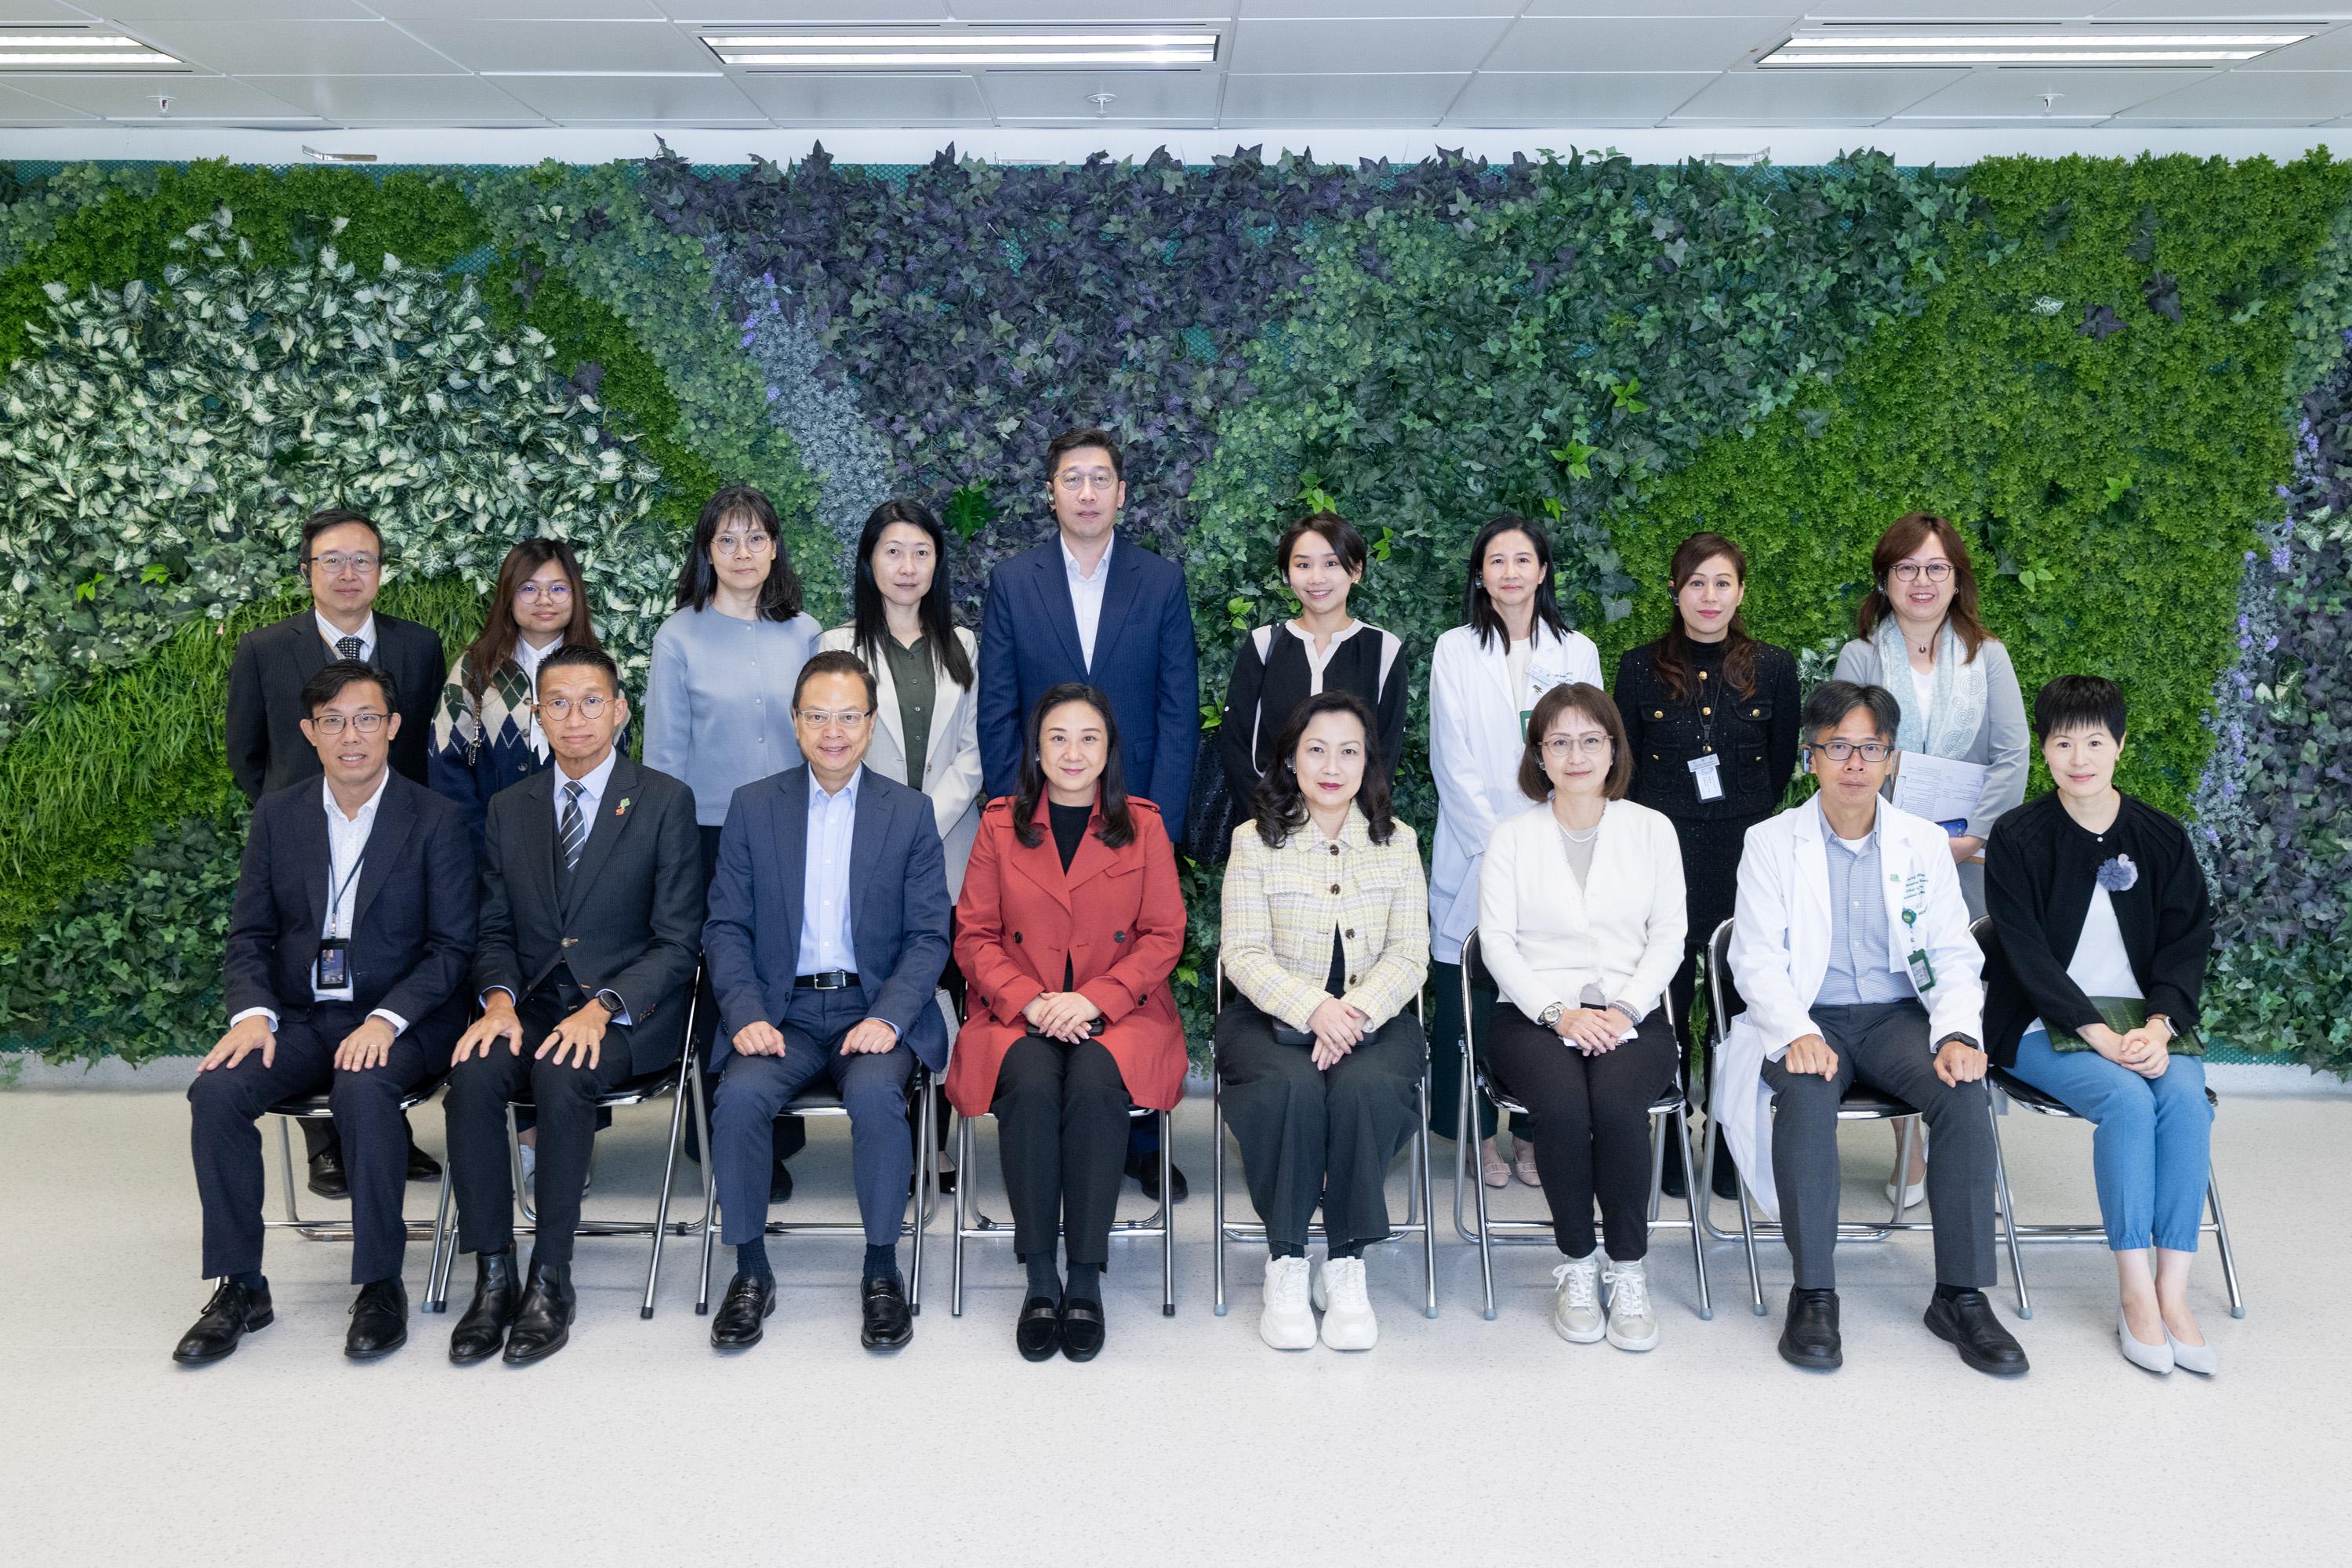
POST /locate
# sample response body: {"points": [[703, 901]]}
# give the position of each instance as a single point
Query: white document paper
{"points": [[1938, 788]]}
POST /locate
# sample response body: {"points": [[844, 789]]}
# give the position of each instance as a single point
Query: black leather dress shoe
{"points": [[327, 1178], [1671, 1180], [480, 1333], [379, 1321], [888, 1325], [1082, 1330], [1967, 1323], [543, 1322], [1037, 1333], [780, 1183], [1145, 1168], [1809, 1338], [749, 1302], [232, 1313], [422, 1166], [1726, 1176]]}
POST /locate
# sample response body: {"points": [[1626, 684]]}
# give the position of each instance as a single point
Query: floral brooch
{"points": [[623, 810], [2119, 875]]}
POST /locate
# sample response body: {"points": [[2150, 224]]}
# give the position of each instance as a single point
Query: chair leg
{"points": [[1905, 1126], [669, 1175], [1217, 1193], [1428, 1199], [1463, 1159], [965, 1171], [2222, 1240], [436, 1273], [1477, 1180], [2008, 1213], [1166, 1215], [925, 1167], [709, 1193], [1747, 1237], [1657, 1164], [1691, 1192], [286, 1159]]}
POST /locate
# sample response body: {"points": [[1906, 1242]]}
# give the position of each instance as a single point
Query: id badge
{"points": [[1923, 973], [1708, 771], [334, 964]]}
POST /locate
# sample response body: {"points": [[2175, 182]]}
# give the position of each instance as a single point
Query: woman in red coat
{"points": [[1070, 923]]}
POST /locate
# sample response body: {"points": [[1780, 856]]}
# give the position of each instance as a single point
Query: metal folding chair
{"points": [[315, 1108], [1417, 1204], [1861, 1103], [2021, 1093], [1668, 1108]]}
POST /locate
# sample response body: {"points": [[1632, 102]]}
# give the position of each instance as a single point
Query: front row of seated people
{"points": [[363, 940]]}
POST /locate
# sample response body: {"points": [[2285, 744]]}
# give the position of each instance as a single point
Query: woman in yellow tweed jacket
{"points": [[1325, 936]]}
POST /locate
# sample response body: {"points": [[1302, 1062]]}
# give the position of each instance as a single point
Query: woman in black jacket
{"points": [[1711, 719], [2100, 934]]}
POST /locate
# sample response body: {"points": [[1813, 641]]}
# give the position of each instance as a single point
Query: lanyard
{"points": [[335, 902]]}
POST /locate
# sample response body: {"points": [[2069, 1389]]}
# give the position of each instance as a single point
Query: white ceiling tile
{"points": [[1126, 12], [402, 100], [573, 100], [838, 98], [1408, 99], [1789, 15], [2015, 93], [567, 46], [513, 10], [1952, 11], [1668, 44], [1504, 99], [1159, 96], [2220, 10], [1813, 97], [1404, 46], [1356, 10], [132, 97], [23, 108], [807, 11], [137, 11], [2290, 96], [38, 11], [2326, 52], [274, 48]]}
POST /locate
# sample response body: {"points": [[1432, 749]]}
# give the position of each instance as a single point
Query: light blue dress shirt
{"points": [[1860, 959], [827, 942]]}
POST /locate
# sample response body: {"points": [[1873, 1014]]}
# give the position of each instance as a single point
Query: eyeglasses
{"points": [[332, 724], [336, 563], [1912, 571], [742, 544], [559, 707], [554, 593], [1074, 482], [1559, 746], [848, 718], [1844, 750]]}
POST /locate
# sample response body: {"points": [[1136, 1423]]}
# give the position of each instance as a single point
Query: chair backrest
{"points": [[1722, 995]]}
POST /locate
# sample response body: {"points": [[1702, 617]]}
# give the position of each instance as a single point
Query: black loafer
{"points": [[1809, 1338], [888, 1324], [482, 1332], [749, 1302], [1672, 1183], [379, 1321], [1082, 1330], [1037, 1333], [232, 1313], [1726, 1176], [1145, 1168], [327, 1177], [780, 1183], [422, 1166], [1965, 1321], [542, 1324]]}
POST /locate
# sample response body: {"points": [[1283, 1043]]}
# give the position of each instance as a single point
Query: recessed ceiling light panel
{"points": [[1957, 44], [79, 49], [958, 48]]}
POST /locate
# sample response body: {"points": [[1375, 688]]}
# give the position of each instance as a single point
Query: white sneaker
{"points": [[1286, 1321], [1633, 1326], [1347, 1308], [1576, 1310]]}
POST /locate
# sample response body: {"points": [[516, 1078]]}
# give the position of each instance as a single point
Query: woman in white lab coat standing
{"points": [[1484, 679]]}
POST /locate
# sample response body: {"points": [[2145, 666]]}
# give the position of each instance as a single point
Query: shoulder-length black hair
{"points": [[698, 580], [496, 643], [1478, 610], [1118, 822], [1674, 647], [870, 624], [1281, 805]]}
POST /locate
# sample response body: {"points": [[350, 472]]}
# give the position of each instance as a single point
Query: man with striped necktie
{"points": [[591, 926]]}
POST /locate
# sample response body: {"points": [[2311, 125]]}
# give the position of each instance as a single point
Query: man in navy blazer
{"points": [[348, 948], [827, 931]]}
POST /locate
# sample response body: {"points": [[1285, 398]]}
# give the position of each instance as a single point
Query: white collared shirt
{"points": [[334, 634], [1087, 596], [826, 941], [591, 788], [527, 658], [347, 842]]}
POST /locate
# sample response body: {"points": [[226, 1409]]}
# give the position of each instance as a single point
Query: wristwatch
{"points": [[610, 1000], [1956, 1038], [2170, 1033], [1549, 1016]]}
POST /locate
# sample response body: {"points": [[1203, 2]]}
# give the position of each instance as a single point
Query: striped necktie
{"points": [[574, 830]]}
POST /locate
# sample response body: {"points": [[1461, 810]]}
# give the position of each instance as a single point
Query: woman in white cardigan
{"points": [[1580, 920], [1484, 679]]}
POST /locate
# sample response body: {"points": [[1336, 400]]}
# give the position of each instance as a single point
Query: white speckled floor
{"points": [[1188, 1441]]}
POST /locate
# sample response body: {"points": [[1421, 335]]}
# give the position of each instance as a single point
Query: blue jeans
{"points": [[2150, 1151]]}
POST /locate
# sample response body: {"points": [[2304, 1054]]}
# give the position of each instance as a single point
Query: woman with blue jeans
{"points": [[2101, 928]]}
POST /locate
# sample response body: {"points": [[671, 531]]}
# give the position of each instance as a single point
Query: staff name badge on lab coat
{"points": [[1923, 972], [1709, 773]]}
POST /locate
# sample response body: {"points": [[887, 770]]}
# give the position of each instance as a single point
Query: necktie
{"points": [[349, 647], [574, 829]]}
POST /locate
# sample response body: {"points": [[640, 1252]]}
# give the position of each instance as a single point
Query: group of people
{"points": [[890, 844]]}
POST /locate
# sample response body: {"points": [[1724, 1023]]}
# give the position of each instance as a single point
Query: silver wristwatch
{"points": [[1549, 1016]]}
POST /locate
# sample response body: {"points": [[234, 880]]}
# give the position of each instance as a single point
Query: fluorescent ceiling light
{"points": [[1951, 44], [955, 50], [78, 48]]}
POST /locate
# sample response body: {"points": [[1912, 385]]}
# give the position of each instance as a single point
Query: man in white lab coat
{"points": [[1851, 949]]}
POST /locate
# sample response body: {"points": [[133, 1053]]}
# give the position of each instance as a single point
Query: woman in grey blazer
{"points": [[1920, 638]]}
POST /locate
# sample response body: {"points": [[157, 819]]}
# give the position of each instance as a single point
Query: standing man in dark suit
{"points": [[592, 923], [345, 973], [342, 556], [1085, 608], [828, 929]]}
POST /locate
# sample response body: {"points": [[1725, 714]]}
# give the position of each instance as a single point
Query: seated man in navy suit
{"points": [[346, 973], [1087, 606], [827, 931]]}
